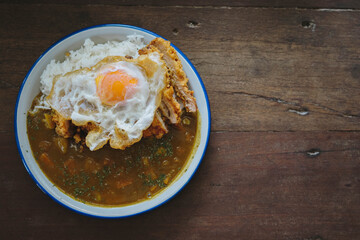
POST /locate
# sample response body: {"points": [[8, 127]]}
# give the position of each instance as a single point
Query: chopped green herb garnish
{"points": [[148, 181]]}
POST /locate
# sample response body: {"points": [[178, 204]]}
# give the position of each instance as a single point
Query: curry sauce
{"points": [[109, 176]]}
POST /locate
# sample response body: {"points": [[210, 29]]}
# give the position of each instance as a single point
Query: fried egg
{"points": [[118, 96]]}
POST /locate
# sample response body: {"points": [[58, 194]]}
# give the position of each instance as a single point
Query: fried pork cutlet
{"points": [[64, 128], [169, 106], [158, 127], [177, 74]]}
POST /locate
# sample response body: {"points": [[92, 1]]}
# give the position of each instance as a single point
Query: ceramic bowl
{"points": [[30, 88]]}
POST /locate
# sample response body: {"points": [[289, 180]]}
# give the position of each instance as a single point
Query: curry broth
{"points": [[110, 176]]}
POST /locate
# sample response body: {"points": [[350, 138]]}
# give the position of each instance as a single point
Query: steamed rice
{"points": [[87, 56]]}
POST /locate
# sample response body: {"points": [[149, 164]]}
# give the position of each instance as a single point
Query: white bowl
{"points": [[30, 88]]}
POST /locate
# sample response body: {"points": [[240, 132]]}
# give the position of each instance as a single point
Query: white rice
{"points": [[87, 56]]}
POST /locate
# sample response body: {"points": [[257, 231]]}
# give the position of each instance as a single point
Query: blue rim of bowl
{"points": [[68, 36]]}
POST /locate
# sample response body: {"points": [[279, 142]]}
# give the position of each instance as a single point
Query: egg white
{"points": [[74, 96]]}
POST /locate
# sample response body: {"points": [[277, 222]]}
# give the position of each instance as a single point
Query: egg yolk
{"points": [[114, 87]]}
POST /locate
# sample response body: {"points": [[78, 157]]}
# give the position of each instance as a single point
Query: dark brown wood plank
{"points": [[265, 70], [281, 69], [249, 185], [341, 4]]}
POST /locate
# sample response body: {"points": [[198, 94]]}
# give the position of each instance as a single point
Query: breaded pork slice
{"points": [[169, 107], [63, 127], [157, 128], [177, 75]]}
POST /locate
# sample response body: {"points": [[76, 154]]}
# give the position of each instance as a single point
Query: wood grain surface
{"points": [[326, 4], [283, 80]]}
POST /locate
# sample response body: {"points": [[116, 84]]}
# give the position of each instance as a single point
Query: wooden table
{"points": [[283, 79]]}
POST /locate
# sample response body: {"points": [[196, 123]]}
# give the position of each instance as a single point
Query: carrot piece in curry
{"points": [[44, 158]]}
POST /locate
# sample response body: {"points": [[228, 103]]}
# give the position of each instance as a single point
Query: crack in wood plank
{"points": [[299, 112], [306, 152], [335, 111], [336, 9], [286, 102], [272, 99]]}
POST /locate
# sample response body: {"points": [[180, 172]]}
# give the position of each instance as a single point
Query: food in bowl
{"points": [[114, 123]]}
